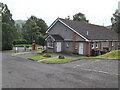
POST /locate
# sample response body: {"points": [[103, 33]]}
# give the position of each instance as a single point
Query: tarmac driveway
{"points": [[22, 73]]}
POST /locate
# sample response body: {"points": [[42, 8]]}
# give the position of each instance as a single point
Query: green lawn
{"points": [[56, 60], [111, 55], [36, 58]]}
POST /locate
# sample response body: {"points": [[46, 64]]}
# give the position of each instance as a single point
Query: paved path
{"points": [[18, 72]]}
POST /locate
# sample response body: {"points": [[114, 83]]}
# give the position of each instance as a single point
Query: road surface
{"points": [[18, 72]]}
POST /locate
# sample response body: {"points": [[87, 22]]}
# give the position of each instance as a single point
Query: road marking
{"points": [[86, 63], [99, 71], [93, 70]]}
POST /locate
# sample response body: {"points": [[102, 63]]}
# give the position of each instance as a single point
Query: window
{"points": [[96, 45], [50, 44], [92, 46]]}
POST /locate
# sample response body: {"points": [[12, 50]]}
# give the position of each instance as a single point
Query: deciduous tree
{"points": [[8, 28], [80, 17]]}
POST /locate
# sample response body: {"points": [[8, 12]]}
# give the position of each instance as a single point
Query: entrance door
{"points": [[58, 46], [80, 48]]}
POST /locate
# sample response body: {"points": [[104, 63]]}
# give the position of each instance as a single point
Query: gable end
{"points": [[66, 26]]}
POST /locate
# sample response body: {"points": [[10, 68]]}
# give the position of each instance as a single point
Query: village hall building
{"points": [[68, 36]]}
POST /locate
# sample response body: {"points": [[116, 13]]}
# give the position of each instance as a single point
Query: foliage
{"points": [[68, 17], [9, 32], [31, 30], [19, 41], [19, 31], [41, 40], [116, 22], [37, 58], [41, 23], [80, 17], [22, 45], [34, 29]]}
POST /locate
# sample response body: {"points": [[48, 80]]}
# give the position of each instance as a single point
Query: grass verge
{"points": [[111, 55], [56, 60], [36, 58]]}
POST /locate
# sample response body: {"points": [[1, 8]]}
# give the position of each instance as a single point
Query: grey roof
{"points": [[95, 32], [57, 37]]}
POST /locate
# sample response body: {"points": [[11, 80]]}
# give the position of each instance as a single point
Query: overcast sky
{"points": [[96, 11]]}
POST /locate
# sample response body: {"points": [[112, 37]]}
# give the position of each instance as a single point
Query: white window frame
{"points": [[67, 45], [96, 45], [48, 44], [112, 43], [93, 46]]}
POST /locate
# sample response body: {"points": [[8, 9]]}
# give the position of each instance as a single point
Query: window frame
{"points": [[112, 43], [93, 45], [67, 45], [96, 45], [50, 46]]}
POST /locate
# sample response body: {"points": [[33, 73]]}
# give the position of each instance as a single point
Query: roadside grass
{"points": [[56, 60], [36, 58], [22, 45], [38, 51], [111, 55]]}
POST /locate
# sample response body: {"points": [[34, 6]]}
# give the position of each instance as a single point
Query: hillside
{"points": [[20, 22]]}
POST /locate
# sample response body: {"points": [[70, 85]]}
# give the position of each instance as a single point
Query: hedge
{"points": [[19, 41]]}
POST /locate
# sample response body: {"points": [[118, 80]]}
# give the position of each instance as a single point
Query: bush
{"points": [[61, 57], [46, 55], [19, 41]]}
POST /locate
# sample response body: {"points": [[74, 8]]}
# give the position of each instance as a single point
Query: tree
{"points": [[68, 17], [41, 40], [80, 17], [31, 30], [19, 31], [34, 29], [8, 28], [116, 22], [41, 23]]}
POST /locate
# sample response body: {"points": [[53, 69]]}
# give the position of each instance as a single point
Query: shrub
{"points": [[61, 57], [46, 55]]}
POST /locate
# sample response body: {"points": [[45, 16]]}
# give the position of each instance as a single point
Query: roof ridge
{"points": [[88, 24]]}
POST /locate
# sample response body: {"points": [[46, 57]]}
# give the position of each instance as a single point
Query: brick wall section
{"points": [[100, 45], [88, 49]]}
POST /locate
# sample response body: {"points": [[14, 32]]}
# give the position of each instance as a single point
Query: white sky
{"points": [[96, 11]]}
